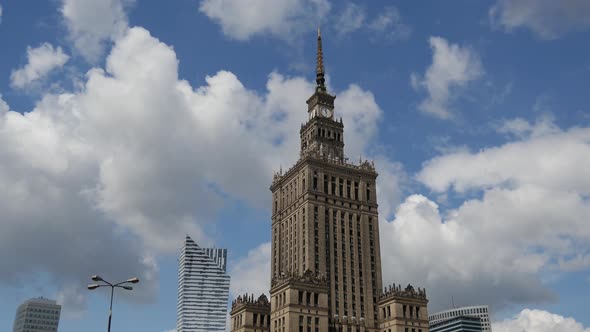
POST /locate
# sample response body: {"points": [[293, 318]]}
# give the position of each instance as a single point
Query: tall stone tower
{"points": [[325, 229]]}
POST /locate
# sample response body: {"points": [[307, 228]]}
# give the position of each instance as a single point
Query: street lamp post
{"points": [[113, 286]]}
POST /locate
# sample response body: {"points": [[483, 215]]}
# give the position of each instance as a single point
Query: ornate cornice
{"points": [[367, 167], [248, 300], [308, 277], [408, 292]]}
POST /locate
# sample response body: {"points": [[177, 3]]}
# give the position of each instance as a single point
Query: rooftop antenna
{"points": [[453, 302], [319, 71]]}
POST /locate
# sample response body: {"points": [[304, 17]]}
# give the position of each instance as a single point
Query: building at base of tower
{"points": [[299, 303], [250, 315], [403, 310]]}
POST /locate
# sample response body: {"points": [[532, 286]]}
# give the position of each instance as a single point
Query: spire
{"points": [[320, 66]]}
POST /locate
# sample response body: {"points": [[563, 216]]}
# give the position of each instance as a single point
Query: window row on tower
{"points": [[333, 185]]}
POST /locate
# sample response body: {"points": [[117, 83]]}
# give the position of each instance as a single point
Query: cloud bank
{"points": [[521, 214], [547, 19], [137, 157], [539, 321], [284, 19]]}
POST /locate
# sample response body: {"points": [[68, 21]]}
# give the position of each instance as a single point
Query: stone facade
{"points": [[403, 310], [299, 303], [250, 315], [324, 217], [325, 232]]}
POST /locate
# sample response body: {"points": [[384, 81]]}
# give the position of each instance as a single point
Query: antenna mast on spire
{"points": [[320, 80]]}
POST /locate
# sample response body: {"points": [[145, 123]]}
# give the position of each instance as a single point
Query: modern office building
{"points": [[37, 315], [458, 324], [480, 311], [203, 289]]}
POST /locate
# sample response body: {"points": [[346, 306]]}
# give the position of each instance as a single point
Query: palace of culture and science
{"points": [[326, 261]]}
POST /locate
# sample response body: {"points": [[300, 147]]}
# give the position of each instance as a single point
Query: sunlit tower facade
{"points": [[325, 225]]}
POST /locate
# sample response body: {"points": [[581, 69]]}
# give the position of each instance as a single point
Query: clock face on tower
{"points": [[325, 112]]}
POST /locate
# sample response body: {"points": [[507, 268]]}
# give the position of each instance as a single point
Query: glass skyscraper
{"points": [[203, 289]]}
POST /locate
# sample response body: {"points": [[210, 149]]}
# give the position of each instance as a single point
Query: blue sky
{"points": [[126, 124]]}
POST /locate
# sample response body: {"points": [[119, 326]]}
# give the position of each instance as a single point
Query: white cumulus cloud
{"points": [[547, 19], [251, 274], [281, 18], [41, 61], [539, 321], [460, 256], [523, 215], [555, 159], [453, 67], [92, 24], [3, 106], [136, 158]]}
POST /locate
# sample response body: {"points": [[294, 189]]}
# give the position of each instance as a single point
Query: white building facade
{"points": [[203, 289], [37, 315], [480, 311]]}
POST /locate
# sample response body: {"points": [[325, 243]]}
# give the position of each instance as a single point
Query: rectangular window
{"points": [[315, 181], [333, 186], [347, 188]]}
